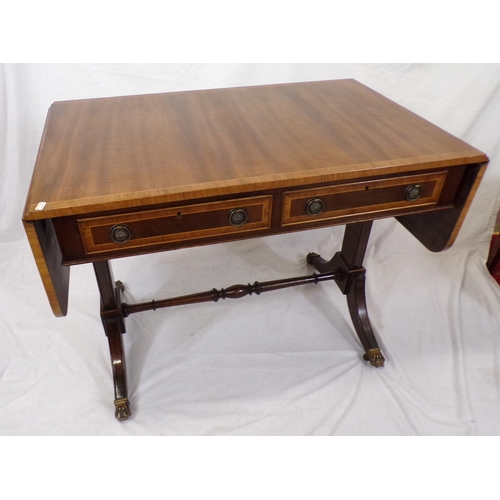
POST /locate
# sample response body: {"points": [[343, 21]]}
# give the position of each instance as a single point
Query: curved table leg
{"points": [[114, 326], [122, 407], [348, 263], [356, 300]]}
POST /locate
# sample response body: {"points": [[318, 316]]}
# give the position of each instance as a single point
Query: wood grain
{"points": [[367, 197], [103, 161], [48, 258], [439, 230], [175, 224], [112, 153]]}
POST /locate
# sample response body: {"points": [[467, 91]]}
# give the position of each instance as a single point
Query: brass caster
{"points": [[122, 411], [374, 356]]}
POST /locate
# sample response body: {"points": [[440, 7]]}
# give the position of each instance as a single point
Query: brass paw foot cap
{"points": [[374, 356], [122, 409]]}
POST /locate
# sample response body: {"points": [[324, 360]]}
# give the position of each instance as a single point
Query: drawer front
{"points": [[192, 222], [344, 200]]}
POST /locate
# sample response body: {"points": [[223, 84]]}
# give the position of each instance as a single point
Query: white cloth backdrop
{"points": [[287, 363]]}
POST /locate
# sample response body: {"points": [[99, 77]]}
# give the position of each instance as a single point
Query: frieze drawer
{"points": [[169, 225], [357, 198]]}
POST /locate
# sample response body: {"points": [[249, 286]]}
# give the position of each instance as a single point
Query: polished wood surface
{"points": [[132, 175], [438, 230], [352, 199], [143, 160], [48, 258], [114, 327], [348, 266], [114, 153], [175, 224], [232, 292]]}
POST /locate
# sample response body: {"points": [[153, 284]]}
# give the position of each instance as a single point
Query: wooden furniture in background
{"points": [[493, 261], [131, 175]]}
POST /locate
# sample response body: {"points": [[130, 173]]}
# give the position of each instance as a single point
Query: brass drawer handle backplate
{"points": [[237, 217], [120, 233], [315, 206], [413, 192]]}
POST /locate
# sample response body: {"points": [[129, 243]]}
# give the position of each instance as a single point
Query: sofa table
{"points": [[131, 175]]}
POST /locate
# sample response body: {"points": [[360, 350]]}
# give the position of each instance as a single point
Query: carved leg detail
{"points": [[114, 327], [351, 280]]}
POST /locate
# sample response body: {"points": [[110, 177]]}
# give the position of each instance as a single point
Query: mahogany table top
{"points": [[120, 152]]}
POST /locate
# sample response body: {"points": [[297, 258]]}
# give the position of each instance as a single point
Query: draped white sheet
{"points": [[288, 362]]}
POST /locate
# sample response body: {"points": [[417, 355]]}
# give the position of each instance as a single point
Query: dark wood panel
{"points": [[362, 197], [48, 258], [74, 251], [185, 223], [438, 230]]}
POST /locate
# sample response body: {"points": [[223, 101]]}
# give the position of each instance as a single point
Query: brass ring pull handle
{"points": [[120, 233], [315, 206], [413, 192], [237, 217]]}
